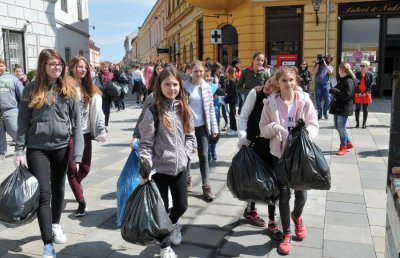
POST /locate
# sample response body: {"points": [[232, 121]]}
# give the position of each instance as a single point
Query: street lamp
{"points": [[316, 5]]}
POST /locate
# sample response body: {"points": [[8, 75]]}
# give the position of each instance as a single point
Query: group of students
{"points": [[57, 115]]}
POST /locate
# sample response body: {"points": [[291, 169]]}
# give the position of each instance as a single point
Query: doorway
{"points": [[228, 50]]}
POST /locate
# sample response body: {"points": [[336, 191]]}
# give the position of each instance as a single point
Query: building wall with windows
{"points": [[72, 21], [26, 29], [94, 54]]}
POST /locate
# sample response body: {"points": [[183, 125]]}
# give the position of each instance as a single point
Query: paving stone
{"points": [[346, 219], [346, 207], [359, 235], [341, 197], [226, 210], [246, 246], [375, 198], [377, 217], [206, 237], [211, 220], [374, 183], [343, 249], [299, 252], [192, 251]]}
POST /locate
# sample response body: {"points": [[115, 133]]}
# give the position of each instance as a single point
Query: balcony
{"points": [[216, 5]]}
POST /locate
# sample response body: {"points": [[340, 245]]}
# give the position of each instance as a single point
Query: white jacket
{"points": [[96, 116]]}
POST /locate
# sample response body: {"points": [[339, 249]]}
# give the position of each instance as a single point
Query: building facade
{"points": [[94, 53], [72, 21], [25, 30]]}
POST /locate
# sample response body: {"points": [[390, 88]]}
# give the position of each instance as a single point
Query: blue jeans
{"points": [[340, 125], [322, 91]]}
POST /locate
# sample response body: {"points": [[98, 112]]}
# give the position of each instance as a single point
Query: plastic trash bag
{"points": [[19, 197], [127, 182], [303, 165], [113, 88], [145, 219], [250, 179]]}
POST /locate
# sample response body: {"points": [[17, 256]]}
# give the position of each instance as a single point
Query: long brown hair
{"points": [[40, 87], [183, 101], [153, 77], [88, 88]]}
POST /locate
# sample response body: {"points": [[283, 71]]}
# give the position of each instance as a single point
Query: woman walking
{"points": [[342, 105], [174, 141], [363, 96], [280, 113], [93, 127], [48, 116]]}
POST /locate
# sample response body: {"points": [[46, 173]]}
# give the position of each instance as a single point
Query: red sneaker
{"points": [[273, 231], [285, 247], [342, 150], [299, 227], [254, 218], [349, 146]]}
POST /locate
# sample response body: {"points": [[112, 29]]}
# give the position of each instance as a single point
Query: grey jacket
{"points": [[168, 151], [50, 127], [10, 92]]}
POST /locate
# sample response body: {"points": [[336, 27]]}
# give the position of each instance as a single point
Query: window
{"points": [[13, 49], [81, 52], [67, 55], [64, 5], [80, 10]]}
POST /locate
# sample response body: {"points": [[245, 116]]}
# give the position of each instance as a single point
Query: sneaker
{"points": [[167, 253], [342, 150], [81, 211], [225, 128], [58, 235], [273, 231], [214, 155], [349, 146], [285, 247], [254, 218], [48, 251], [299, 229], [189, 184], [231, 132], [12, 143], [207, 193], [176, 235]]}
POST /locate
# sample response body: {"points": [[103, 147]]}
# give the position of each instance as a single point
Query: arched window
{"points": [[229, 35], [191, 52], [184, 54]]}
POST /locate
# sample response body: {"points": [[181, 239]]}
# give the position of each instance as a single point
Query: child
{"points": [[231, 97], [93, 127], [167, 149], [280, 113], [50, 97]]}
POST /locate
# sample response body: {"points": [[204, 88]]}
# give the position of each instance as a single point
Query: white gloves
{"points": [[19, 160], [102, 136], [278, 129], [243, 141]]}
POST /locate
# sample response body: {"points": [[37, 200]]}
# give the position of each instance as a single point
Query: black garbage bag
{"points": [[145, 220], [303, 165], [113, 88], [19, 197], [250, 179]]}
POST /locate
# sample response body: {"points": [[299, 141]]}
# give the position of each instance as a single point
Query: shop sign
{"points": [[216, 37], [162, 50], [369, 8]]}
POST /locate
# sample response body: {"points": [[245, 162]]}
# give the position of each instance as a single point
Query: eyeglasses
{"points": [[54, 65], [362, 65]]}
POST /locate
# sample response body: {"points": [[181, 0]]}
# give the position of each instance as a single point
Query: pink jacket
{"points": [[272, 115]]}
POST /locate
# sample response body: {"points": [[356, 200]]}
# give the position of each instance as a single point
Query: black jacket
{"points": [[369, 79], [342, 97], [231, 92]]}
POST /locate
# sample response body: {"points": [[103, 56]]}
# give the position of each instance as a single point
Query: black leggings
{"points": [[300, 198], [49, 167], [365, 112], [178, 186]]}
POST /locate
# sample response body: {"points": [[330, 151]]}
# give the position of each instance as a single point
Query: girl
{"points": [[231, 99], [48, 116], [174, 141], [280, 113], [363, 93], [157, 70], [92, 122], [254, 75], [342, 105], [205, 123], [305, 76], [106, 76]]}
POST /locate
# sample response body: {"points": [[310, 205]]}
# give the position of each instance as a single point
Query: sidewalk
{"points": [[347, 221]]}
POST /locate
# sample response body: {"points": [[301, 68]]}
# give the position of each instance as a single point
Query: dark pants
{"points": [[223, 111], [178, 186], [202, 151], [241, 101], [365, 113], [49, 167], [232, 116], [106, 105], [76, 176]]}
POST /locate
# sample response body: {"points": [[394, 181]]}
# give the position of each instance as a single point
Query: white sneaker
{"points": [[167, 253], [48, 251], [58, 235], [231, 132], [176, 235]]}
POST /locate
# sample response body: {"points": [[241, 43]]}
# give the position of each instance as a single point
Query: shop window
{"points": [[393, 26], [64, 5], [67, 55], [13, 49], [360, 41]]}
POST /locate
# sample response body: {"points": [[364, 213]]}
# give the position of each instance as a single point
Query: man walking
{"points": [[322, 70]]}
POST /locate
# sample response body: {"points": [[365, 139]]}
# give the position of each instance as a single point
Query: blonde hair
{"points": [[196, 63], [366, 63], [287, 69], [347, 69], [64, 85]]}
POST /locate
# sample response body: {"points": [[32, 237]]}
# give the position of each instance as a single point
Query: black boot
{"points": [[357, 113], [81, 211], [365, 116]]}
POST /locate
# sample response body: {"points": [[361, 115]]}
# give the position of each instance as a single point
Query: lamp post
{"points": [[316, 5]]}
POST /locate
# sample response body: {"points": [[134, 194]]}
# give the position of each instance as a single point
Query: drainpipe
{"points": [[327, 28]]}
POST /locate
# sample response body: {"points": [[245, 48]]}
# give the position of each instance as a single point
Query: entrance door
{"points": [[228, 50], [13, 48], [391, 53], [227, 54]]}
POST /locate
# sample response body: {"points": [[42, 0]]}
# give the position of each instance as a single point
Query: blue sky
{"points": [[113, 21]]}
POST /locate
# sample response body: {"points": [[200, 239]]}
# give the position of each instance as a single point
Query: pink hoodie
{"points": [[274, 114]]}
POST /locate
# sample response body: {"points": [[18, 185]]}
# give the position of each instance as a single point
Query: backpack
{"points": [[156, 117]]}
